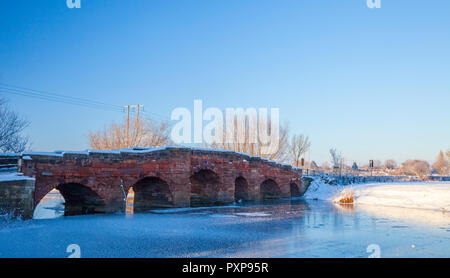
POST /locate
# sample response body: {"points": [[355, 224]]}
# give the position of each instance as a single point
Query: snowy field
{"points": [[429, 202], [433, 196], [418, 195]]}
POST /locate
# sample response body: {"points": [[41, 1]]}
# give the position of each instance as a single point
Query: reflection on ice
{"points": [[51, 206], [421, 216], [253, 214], [178, 210]]}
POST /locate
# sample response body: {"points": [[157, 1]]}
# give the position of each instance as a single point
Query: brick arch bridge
{"points": [[98, 181]]}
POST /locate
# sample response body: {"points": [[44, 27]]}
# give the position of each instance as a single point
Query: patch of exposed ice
{"points": [[253, 214], [425, 216], [218, 215], [177, 210]]}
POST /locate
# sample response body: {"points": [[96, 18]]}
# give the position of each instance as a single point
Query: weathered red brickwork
{"points": [[170, 177]]}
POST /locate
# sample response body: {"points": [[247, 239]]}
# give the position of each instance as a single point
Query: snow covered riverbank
{"points": [[434, 196], [417, 195], [13, 176], [426, 203]]}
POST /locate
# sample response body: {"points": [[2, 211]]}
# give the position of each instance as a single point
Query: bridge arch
{"points": [[150, 193], [295, 190], [79, 199], [52, 205], [269, 190], [205, 188], [241, 189]]}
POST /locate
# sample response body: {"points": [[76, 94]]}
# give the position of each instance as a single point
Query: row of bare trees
{"points": [[244, 138], [139, 133], [149, 133], [422, 168], [415, 167], [412, 167]]}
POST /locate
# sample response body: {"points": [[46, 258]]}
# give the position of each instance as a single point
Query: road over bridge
{"points": [[98, 181]]}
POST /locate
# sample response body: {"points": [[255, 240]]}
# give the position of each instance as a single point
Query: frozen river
{"points": [[301, 228]]}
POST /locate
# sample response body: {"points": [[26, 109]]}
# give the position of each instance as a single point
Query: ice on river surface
{"points": [[290, 228]]}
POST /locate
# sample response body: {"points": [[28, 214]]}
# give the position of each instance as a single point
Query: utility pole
{"points": [[309, 158], [371, 164], [137, 120], [128, 122], [138, 107]]}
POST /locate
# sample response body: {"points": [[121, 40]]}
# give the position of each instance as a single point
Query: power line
{"points": [[151, 116], [53, 99], [44, 95], [57, 96]]}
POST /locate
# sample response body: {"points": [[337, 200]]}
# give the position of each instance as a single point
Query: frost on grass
{"points": [[9, 218], [346, 196]]}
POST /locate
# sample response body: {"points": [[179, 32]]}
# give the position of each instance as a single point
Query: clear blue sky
{"points": [[374, 83]]}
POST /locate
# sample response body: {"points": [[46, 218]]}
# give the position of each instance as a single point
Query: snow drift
{"points": [[418, 195]]}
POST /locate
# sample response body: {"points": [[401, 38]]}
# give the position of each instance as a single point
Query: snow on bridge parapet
{"points": [[135, 152], [179, 176]]}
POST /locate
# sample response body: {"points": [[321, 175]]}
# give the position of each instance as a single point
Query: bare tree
{"points": [[377, 164], [11, 128], [142, 133], [336, 158], [299, 145], [390, 164], [243, 140], [441, 164], [418, 168]]}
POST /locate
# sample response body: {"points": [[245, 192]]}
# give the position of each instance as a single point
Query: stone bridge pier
{"points": [[99, 181]]}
